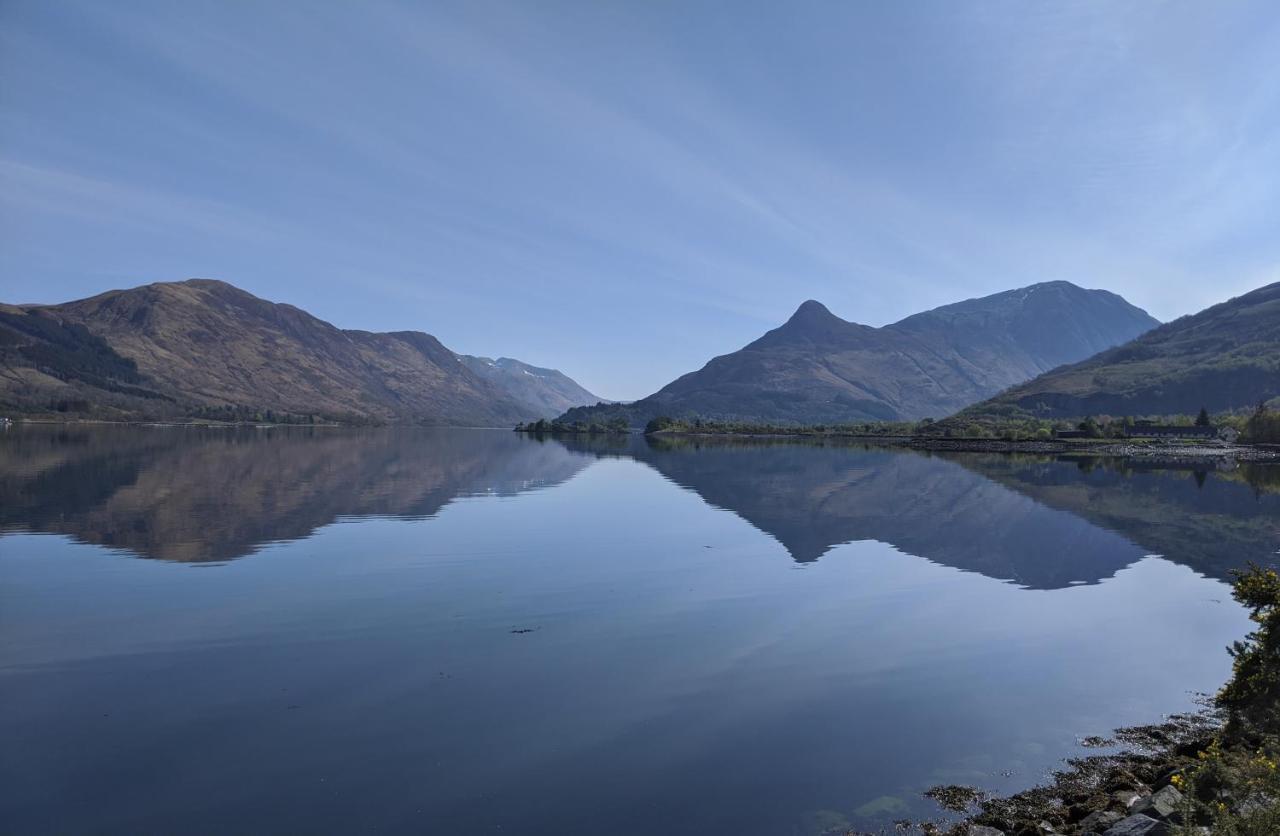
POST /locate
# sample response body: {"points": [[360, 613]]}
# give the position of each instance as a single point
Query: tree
{"points": [[657, 425], [1263, 427], [1252, 697], [1090, 428], [1202, 420]]}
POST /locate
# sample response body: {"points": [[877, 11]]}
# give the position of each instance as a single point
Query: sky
{"points": [[624, 190]]}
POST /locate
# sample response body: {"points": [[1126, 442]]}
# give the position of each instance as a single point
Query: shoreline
{"points": [[1119, 448], [1156, 451], [1216, 770], [1094, 793], [97, 422]]}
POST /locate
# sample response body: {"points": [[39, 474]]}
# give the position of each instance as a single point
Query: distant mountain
{"points": [[1225, 357], [204, 347], [543, 392], [818, 368]]}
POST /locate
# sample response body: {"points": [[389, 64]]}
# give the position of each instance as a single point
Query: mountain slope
{"points": [[544, 392], [818, 368], [177, 348], [1225, 357]]}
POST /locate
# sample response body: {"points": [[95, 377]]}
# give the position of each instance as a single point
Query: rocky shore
{"points": [[1216, 771], [1131, 792]]}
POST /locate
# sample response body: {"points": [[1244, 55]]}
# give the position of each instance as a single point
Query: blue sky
{"points": [[623, 190]]}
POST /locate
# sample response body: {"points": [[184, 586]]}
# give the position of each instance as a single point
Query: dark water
{"points": [[214, 631]]}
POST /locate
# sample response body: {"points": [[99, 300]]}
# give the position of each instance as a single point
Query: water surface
{"points": [[211, 631]]}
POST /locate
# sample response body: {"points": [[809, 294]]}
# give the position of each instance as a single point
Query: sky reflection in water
{"points": [[475, 632]]}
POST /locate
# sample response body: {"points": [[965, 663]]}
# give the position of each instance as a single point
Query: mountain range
{"points": [[545, 391], [1226, 357], [819, 368], [206, 348]]}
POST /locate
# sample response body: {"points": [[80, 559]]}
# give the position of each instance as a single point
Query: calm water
{"points": [[214, 631]]}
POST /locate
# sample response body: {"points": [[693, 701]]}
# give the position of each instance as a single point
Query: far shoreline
{"points": [[1162, 450], [1120, 448]]}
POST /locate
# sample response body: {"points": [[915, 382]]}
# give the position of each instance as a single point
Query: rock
{"points": [[1253, 804], [1164, 804], [1122, 779], [1138, 825], [1126, 798], [1077, 811], [983, 830], [1099, 821]]}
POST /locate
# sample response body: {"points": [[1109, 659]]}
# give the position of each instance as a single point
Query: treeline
{"points": [[617, 425], [677, 426], [237, 414], [69, 352], [1257, 426], [1262, 426]]}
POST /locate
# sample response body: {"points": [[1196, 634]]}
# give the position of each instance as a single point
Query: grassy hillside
{"points": [[1224, 358], [207, 349]]}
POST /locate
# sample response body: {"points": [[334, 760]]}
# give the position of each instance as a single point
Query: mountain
{"points": [[543, 392], [1225, 357], [818, 368], [203, 347]]}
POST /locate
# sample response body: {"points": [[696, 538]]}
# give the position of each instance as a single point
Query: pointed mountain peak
{"points": [[812, 306], [811, 313]]}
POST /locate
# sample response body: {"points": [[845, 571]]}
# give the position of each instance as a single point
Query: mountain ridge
{"points": [[819, 368], [205, 348], [1223, 358]]}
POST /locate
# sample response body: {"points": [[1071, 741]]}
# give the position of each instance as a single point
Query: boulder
{"points": [[1163, 804], [1126, 798], [1138, 825], [1098, 821], [983, 830]]}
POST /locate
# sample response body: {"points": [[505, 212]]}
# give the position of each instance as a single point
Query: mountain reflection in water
{"points": [[212, 494], [476, 632], [1043, 522], [205, 494]]}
